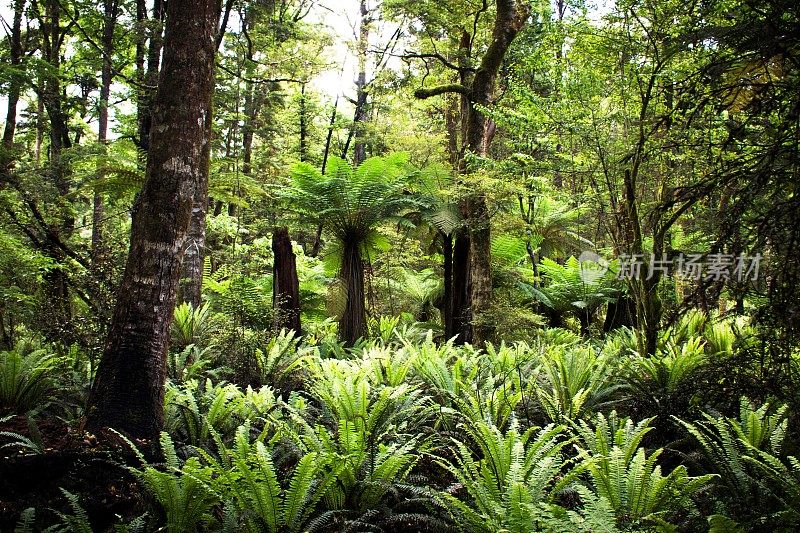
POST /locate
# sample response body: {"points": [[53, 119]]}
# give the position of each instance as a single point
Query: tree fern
{"points": [[565, 289], [350, 203]]}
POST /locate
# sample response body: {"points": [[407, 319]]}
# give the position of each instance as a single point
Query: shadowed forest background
{"points": [[349, 265]]}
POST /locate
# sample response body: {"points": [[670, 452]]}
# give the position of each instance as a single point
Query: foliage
{"points": [[249, 478], [27, 378], [192, 363], [575, 381], [631, 480], [185, 491], [569, 289], [197, 410], [513, 473], [190, 325], [278, 361], [665, 383], [743, 451]]}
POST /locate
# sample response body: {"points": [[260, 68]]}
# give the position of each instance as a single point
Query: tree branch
{"points": [[443, 60], [424, 93]]}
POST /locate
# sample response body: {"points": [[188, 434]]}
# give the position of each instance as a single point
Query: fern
{"points": [[195, 410], [372, 433], [192, 363], [250, 480], [631, 480], [782, 480], [75, 522], [190, 325], [595, 515], [26, 379], [26, 521], [742, 451], [185, 492], [567, 290], [665, 383], [575, 381], [514, 473], [32, 444], [280, 359]]}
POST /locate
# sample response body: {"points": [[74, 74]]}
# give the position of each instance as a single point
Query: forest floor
{"points": [[66, 460]]}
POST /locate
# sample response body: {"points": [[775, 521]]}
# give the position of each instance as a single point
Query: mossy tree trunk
{"points": [[128, 393]]}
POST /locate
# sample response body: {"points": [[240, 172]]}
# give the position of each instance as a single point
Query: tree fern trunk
{"points": [[353, 323]]}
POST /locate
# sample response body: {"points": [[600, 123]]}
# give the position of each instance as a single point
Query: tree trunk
{"points": [[353, 323], [509, 19], [447, 303], [128, 393], [620, 313], [285, 283], [151, 76], [15, 84], [110, 13], [303, 116], [360, 115], [191, 286], [462, 320], [59, 312], [477, 91], [326, 152]]}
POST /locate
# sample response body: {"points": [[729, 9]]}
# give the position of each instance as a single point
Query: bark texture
{"points": [[462, 321], [353, 323], [191, 286], [285, 283], [128, 393]]}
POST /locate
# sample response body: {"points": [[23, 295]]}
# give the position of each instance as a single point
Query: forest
{"points": [[400, 266]]}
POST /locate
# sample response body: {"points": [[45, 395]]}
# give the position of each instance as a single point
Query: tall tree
{"points": [[360, 114], [148, 77], [110, 14], [128, 392], [477, 86], [15, 84]]}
